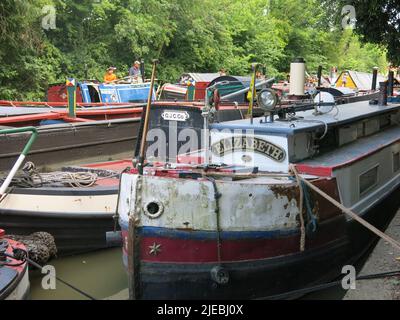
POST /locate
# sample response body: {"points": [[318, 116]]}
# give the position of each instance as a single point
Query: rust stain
{"points": [[290, 193]]}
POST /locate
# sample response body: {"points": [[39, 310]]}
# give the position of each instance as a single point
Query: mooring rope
{"points": [[23, 256], [302, 226]]}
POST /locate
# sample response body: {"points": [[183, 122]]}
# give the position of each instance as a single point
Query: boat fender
{"points": [[220, 275], [114, 239]]}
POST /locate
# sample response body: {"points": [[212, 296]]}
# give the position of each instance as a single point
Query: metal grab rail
{"points": [[21, 157]]}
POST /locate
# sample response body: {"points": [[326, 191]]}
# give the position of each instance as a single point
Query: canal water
{"points": [[101, 274]]}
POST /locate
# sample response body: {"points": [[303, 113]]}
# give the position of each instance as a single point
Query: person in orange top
{"points": [[110, 75]]}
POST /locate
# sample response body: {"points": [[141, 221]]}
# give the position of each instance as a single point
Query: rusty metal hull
{"points": [[69, 142], [266, 278]]}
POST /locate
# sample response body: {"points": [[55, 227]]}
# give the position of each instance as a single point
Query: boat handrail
{"points": [[21, 158]]}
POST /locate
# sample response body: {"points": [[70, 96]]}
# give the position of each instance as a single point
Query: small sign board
{"points": [[175, 115]]}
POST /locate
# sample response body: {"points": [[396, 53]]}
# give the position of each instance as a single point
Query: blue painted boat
{"points": [[94, 92]]}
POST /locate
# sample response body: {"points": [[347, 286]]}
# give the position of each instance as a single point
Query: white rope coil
{"points": [[72, 179]]}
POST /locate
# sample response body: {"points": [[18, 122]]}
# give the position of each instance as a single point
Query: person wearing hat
{"points": [[110, 75], [134, 71]]}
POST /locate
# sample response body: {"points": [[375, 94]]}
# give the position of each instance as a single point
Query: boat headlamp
{"points": [[267, 99]]}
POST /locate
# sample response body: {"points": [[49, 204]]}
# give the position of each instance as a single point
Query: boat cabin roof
{"points": [[307, 121]]}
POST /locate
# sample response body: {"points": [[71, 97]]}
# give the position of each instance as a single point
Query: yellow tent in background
{"points": [[357, 80]]}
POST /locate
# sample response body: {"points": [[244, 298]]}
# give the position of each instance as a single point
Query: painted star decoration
{"points": [[155, 249]]}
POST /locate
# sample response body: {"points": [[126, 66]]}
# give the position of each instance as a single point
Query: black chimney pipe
{"points": [[374, 79], [390, 83], [319, 75]]}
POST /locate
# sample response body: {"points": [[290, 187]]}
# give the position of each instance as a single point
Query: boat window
{"points": [[368, 180], [94, 94], [396, 162]]}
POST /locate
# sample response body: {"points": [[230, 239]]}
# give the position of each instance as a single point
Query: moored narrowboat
{"points": [[234, 226], [14, 274], [76, 205]]}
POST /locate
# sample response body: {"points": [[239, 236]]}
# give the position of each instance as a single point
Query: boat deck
{"points": [[350, 153], [308, 121], [117, 166]]}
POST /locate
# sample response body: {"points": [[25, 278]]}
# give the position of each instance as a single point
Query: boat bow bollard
{"points": [[21, 157]]}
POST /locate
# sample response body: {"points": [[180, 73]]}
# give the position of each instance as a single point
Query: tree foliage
{"points": [[186, 35], [378, 21]]}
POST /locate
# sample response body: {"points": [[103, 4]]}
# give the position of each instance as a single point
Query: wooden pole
{"points": [[146, 119], [252, 91], [131, 259]]}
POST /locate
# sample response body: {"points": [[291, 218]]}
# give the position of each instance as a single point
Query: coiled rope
{"points": [[31, 178]]}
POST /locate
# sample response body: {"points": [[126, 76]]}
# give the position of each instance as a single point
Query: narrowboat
{"points": [[192, 86], [77, 214], [14, 275], [95, 92], [228, 221], [99, 133]]}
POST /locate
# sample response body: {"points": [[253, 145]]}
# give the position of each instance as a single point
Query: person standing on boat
{"points": [[344, 79], [134, 72], [110, 76]]}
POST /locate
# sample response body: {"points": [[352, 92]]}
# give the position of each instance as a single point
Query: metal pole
{"points": [[237, 93], [374, 78], [71, 91], [21, 157], [146, 119]]}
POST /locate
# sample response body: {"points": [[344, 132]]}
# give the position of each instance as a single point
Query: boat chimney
{"points": [[297, 77], [390, 83], [374, 78], [383, 93], [319, 75]]}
